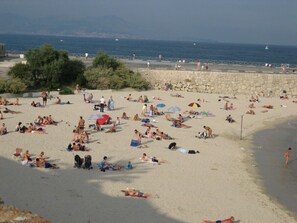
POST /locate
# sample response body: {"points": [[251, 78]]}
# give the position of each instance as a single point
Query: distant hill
{"points": [[101, 26]]}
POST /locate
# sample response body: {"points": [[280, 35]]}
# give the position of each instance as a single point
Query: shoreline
{"points": [[268, 167], [155, 64]]}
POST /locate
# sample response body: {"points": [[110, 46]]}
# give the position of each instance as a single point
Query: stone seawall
{"points": [[223, 82]]}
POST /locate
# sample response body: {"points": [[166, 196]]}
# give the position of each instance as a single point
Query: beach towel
{"points": [[134, 143]]}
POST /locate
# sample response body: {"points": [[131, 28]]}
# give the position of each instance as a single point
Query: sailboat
{"points": [[266, 47]]}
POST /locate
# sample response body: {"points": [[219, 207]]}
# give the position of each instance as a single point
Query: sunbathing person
{"points": [[228, 220], [157, 98], [268, 106], [154, 159], [37, 104], [41, 163], [177, 95], [79, 147], [136, 193], [3, 129], [112, 129], [250, 112], [149, 125], [6, 110], [178, 124], [124, 116], [1, 115], [117, 121]]}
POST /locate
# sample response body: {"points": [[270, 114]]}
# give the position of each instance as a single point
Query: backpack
{"points": [[88, 162], [77, 161], [172, 145]]}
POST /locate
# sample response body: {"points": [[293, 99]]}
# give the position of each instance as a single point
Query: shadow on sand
{"points": [[84, 201]]}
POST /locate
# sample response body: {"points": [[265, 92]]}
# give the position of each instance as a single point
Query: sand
{"points": [[218, 182]]}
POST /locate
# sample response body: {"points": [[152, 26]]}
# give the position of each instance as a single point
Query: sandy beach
{"points": [[218, 182]]}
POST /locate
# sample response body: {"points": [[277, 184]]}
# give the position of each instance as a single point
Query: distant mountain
{"points": [[91, 26], [101, 26]]}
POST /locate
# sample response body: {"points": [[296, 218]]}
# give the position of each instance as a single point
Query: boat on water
{"points": [[266, 47]]}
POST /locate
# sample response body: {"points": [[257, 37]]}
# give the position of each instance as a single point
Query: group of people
{"points": [[5, 102], [40, 160]]}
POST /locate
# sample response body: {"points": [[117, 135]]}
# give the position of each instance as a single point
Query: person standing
{"points": [[81, 125], [287, 156], [110, 104], [44, 96], [102, 104]]}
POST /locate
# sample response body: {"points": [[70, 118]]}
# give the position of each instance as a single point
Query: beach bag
{"points": [[77, 161], [134, 143], [88, 162], [172, 145]]}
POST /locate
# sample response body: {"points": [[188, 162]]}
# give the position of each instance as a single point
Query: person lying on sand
{"points": [[268, 106], [41, 163], [157, 98], [177, 95], [37, 104], [79, 147], [162, 135], [178, 124], [6, 110], [153, 159], [250, 112], [149, 125], [136, 193], [228, 220]]}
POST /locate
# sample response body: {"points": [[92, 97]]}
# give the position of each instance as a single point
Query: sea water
{"points": [[227, 53], [270, 146]]}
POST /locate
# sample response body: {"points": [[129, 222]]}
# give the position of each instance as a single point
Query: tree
{"points": [[23, 72], [104, 60]]}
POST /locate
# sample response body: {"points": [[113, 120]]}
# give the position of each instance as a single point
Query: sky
{"points": [[233, 21]]}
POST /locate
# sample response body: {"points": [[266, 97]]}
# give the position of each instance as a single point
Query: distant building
{"points": [[2, 50]]}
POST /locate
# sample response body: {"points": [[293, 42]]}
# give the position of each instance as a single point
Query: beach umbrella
{"points": [[174, 109], [95, 117], [160, 105], [194, 105], [84, 92], [102, 120]]}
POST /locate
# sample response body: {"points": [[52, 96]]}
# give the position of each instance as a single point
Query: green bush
{"points": [[14, 86], [66, 90]]}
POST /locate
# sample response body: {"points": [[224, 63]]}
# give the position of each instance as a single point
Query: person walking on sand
{"points": [[287, 156], [102, 104]]}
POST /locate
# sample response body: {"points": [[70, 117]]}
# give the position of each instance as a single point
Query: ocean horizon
{"points": [[213, 52]]}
